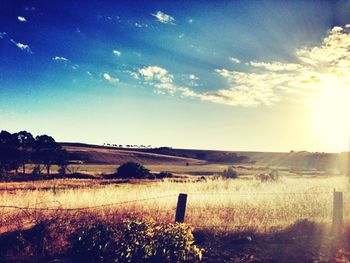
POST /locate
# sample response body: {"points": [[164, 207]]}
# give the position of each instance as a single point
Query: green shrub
{"points": [[132, 170], [135, 240]]}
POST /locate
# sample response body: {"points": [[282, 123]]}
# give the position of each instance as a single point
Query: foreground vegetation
{"points": [[234, 220]]}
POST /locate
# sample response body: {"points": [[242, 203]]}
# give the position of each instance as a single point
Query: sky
{"points": [[229, 75]]}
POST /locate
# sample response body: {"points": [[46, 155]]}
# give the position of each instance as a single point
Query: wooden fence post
{"points": [[181, 208], [337, 212]]}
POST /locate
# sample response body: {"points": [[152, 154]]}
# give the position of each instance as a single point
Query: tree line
{"points": [[19, 149]]}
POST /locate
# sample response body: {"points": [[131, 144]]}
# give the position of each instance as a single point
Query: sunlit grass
{"points": [[240, 203]]}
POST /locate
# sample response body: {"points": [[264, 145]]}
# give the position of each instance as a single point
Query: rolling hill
{"points": [[103, 155], [86, 153]]}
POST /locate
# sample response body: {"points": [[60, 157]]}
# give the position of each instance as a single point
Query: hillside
{"points": [[103, 155], [165, 155]]}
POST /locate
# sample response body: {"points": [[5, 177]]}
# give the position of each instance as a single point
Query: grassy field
{"points": [[293, 214], [212, 203]]}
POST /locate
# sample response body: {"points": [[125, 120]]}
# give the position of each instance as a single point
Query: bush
{"points": [[132, 170], [95, 243], [274, 175], [162, 175], [230, 173], [135, 240]]}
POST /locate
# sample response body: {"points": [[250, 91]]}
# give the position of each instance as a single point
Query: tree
{"points": [[62, 161], [9, 154], [132, 170], [230, 173], [25, 142], [47, 151]]}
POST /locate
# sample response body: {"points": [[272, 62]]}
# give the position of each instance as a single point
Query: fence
{"points": [[183, 205]]}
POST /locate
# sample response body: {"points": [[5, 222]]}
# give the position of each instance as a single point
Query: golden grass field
{"points": [[243, 203]]}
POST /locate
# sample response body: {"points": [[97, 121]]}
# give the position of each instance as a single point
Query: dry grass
{"points": [[225, 204]]}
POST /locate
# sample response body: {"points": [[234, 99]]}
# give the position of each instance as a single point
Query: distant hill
{"points": [[293, 160], [105, 155]]}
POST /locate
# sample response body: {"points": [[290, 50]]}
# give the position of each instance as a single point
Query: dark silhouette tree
{"points": [[132, 170], [47, 151], [25, 143], [62, 161], [9, 154]]}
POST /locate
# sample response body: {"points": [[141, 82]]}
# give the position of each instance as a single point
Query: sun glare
{"points": [[330, 111]]}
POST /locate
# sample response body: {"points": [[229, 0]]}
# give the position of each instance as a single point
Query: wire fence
{"points": [[211, 217]]}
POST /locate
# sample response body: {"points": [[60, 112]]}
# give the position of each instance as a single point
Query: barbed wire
{"points": [[83, 208], [264, 193]]}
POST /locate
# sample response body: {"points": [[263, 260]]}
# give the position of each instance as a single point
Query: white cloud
{"points": [[75, 66], [193, 77], [155, 73], [268, 82], [21, 46], [158, 78], [117, 53], [164, 18], [234, 60], [140, 25], [60, 59], [29, 8], [110, 79], [133, 74], [276, 80], [21, 19], [2, 34], [190, 21], [276, 66]]}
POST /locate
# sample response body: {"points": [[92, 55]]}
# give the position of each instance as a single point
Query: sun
{"points": [[331, 113]]}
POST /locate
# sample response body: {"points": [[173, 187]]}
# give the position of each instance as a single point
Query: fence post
{"points": [[337, 212], [181, 208]]}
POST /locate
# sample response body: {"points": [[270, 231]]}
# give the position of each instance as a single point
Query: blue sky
{"points": [[234, 75]]}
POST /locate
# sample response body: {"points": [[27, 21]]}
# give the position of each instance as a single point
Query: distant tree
{"points": [[132, 170], [47, 151], [162, 175], [230, 173], [25, 143], [9, 154], [274, 175], [62, 161]]}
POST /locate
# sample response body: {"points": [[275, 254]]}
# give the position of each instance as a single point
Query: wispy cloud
{"points": [[66, 62], [75, 66], [193, 77], [159, 78], [21, 19], [117, 53], [234, 60], [63, 59], [266, 83], [110, 79], [133, 74], [276, 80], [164, 18], [21, 46], [29, 8], [2, 34], [275, 66]]}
